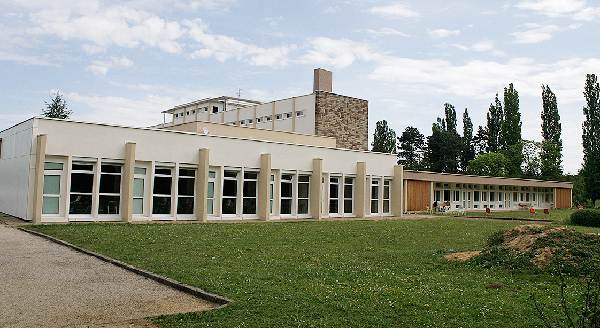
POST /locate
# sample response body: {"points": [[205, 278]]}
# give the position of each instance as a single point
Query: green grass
{"points": [[557, 215], [326, 274]]}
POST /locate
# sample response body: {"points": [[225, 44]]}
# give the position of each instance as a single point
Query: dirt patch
{"points": [[461, 256]]}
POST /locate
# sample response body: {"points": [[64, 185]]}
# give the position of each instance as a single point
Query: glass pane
{"points": [[286, 206], [374, 192], [249, 188], [209, 206], [229, 206], [82, 167], [386, 206], [108, 204], [53, 166], [186, 187], [187, 172], [230, 174], [110, 168], [139, 170], [161, 205], [138, 206], [348, 206], [302, 206], [82, 182], [138, 187], [80, 204], [304, 178], [110, 184], [286, 189], [162, 171], [230, 188], [348, 191], [212, 174], [162, 185], [333, 191], [288, 177], [51, 205], [250, 175], [51, 184], [386, 192], [185, 205], [249, 206], [333, 206], [303, 190], [374, 206], [211, 190], [349, 180]]}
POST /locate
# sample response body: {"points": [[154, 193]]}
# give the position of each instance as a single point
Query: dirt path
{"points": [[43, 284]]}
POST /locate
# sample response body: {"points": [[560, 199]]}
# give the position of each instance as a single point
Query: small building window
{"points": [[288, 115], [334, 195], [52, 188], [300, 113], [161, 200], [286, 193], [215, 109], [210, 196], [269, 118], [303, 193], [110, 189], [258, 120], [278, 116], [386, 196], [374, 196], [185, 191], [230, 192], [82, 186], [271, 193], [250, 192], [139, 189], [348, 195]]}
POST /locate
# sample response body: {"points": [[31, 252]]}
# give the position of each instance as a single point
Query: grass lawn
{"points": [[326, 274], [556, 215]]}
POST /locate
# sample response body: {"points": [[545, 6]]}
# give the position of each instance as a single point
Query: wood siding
{"points": [[563, 198], [418, 195]]}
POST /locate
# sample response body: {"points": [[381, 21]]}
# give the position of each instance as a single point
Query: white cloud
{"points": [[481, 46], [443, 33], [223, 48], [385, 31], [339, 53], [101, 67], [575, 9], [535, 33], [394, 10]]}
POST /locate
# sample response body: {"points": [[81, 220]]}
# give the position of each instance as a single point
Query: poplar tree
{"points": [[411, 147], [450, 113], [510, 132], [551, 156], [480, 141], [591, 138], [384, 138], [494, 124], [468, 150]]}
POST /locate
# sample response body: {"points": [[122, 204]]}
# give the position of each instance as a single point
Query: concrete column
{"points": [[38, 187], [128, 174], [361, 190], [397, 191], [316, 192], [202, 185], [264, 179]]}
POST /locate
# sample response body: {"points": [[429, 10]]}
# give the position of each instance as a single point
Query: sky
{"points": [[125, 61]]}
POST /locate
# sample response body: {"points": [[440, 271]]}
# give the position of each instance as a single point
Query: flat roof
{"points": [[477, 179]]}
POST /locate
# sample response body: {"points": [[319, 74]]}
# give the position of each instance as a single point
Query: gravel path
{"points": [[43, 284]]}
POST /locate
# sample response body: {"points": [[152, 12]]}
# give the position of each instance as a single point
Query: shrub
{"points": [[587, 218]]}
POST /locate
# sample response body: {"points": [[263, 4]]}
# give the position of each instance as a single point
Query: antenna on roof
{"points": [[239, 93]]}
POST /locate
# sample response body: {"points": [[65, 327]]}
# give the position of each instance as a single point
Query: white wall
{"points": [[101, 141], [16, 169]]}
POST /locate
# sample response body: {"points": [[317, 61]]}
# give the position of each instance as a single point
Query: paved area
{"points": [[43, 284]]}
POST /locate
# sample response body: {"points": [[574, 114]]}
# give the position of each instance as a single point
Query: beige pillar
{"points": [[38, 187], [397, 191], [264, 179], [316, 191], [128, 174], [361, 189], [202, 185]]}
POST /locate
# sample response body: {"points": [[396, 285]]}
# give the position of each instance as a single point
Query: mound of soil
{"points": [[542, 248]]}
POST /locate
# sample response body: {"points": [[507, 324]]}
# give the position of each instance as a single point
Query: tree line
{"points": [[498, 148]]}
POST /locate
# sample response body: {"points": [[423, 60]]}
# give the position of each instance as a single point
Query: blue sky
{"points": [[125, 61]]}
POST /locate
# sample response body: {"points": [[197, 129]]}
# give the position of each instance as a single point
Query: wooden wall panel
{"points": [[418, 194], [563, 198]]}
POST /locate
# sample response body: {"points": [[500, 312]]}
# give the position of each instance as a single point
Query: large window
{"points": [[186, 191], [230, 192], [303, 193], [110, 189], [161, 200], [82, 187], [139, 189], [250, 192], [286, 194], [334, 195], [51, 195], [476, 196], [374, 196], [386, 196], [348, 195], [210, 196]]}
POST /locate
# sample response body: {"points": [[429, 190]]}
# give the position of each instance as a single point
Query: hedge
{"points": [[587, 218]]}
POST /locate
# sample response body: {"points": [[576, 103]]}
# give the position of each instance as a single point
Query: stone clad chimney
{"points": [[323, 80]]}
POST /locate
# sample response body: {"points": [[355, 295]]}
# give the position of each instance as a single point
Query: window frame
{"points": [[375, 182], [61, 179], [387, 183], [344, 196], [291, 198], [187, 216], [298, 198], [336, 199], [111, 194], [92, 194], [155, 195], [238, 192], [144, 178]]}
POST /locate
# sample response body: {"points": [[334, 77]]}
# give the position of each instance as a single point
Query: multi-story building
{"points": [[208, 165]]}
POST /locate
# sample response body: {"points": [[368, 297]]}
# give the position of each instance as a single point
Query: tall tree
{"points": [[444, 145], [468, 150], [489, 164], [531, 159], [411, 147], [591, 138], [450, 114], [551, 155], [384, 138], [510, 133], [480, 141], [56, 107], [494, 124]]}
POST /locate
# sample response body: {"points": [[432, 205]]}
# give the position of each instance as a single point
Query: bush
{"points": [[587, 218]]}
